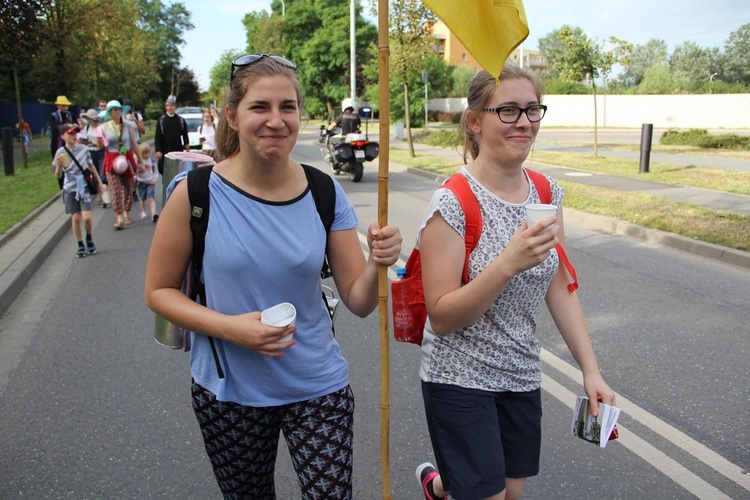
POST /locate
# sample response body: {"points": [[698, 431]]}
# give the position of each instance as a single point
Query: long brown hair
{"points": [[227, 139], [481, 89]]}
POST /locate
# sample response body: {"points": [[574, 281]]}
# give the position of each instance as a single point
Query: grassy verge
{"points": [[23, 192], [712, 226]]}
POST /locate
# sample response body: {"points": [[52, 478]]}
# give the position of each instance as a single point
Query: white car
{"points": [[194, 120]]}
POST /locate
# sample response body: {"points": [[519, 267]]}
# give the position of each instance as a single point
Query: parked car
{"points": [[194, 120], [188, 110]]}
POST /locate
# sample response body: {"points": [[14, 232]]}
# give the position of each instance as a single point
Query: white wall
{"points": [[712, 111]]}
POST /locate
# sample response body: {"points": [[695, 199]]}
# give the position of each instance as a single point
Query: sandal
{"points": [[119, 225], [128, 220]]}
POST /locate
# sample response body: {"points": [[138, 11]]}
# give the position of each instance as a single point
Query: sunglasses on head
{"points": [[249, 59]]}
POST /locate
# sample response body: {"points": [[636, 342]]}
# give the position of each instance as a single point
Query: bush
{"points": [[701, 138], [689, 138], [443, 138], [449, 117], [725, 141]]}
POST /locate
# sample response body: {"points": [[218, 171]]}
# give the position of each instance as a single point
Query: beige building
{"points": [[455, 54]]}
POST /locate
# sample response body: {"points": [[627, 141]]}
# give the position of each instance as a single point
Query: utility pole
{"points": [[425, 77], [353, 54]]}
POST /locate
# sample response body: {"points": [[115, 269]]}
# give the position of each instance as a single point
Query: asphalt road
{"points": [[96, 409]]}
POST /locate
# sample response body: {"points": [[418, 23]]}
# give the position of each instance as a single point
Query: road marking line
{"points": [[667, 431], [641, 448]]}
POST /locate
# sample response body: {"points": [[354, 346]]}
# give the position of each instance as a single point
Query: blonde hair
{"points": [[227, 139], [144, 149], [481, 90]]}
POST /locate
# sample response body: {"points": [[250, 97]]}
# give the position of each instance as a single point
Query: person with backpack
{"points": [[264, 244], [171, 133], [481, 367], [71, 163]]}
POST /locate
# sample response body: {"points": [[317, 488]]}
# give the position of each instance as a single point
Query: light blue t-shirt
{"points": [[258, 254]]}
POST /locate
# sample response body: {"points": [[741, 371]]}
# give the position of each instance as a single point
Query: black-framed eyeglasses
{"points": [[511, 114], [249, 59]]}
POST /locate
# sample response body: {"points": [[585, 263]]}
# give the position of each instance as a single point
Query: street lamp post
{"points": [[711, 83]]}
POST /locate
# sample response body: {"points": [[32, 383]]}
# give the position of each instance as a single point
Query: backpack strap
{"points": [[545, 196], [324, 193], [198, 195], [197, 186], [459, 185]]}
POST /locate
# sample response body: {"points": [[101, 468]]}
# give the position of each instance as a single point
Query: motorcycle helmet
{"points": [[120, 165], [348, 103]]}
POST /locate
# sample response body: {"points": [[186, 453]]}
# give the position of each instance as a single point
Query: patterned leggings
{"points": [[241, 442]]}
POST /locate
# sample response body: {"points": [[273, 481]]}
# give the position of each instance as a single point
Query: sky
{"points": [[218, 24]]}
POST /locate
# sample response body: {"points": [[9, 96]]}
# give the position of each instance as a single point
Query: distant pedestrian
{"points": [[118, 137], [146, 179], [56, 120], [171, 133], [24, 136], [136, 117], [89, 137], [207, 131], [69, 163]]}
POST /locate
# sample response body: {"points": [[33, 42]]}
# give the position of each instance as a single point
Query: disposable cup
{"points": [[283, 314], [537, 212]]}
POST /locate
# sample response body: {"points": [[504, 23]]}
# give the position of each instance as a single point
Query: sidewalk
{"points": [[25, 246]]}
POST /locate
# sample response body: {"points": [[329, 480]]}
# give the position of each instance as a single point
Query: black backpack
{"points": [[323, 192]]}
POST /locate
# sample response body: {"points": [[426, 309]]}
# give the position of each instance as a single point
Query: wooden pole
{"points": [[385, 115]]}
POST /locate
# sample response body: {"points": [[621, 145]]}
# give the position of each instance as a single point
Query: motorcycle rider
{"points": [[349, 121]]}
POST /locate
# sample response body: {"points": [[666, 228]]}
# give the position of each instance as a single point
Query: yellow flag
{"points": [[489, 29]]}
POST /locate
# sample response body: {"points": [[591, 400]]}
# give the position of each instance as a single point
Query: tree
{"points": [[219, 76], [643, 57], [20, 32], [737, 51], [165, 25], [553, 50], [696, 63], [317, 33], [586, 59], [462, 76], [410, 40], [264, 32]]}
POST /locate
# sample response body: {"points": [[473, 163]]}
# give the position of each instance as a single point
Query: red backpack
{"points": [[408, 304]]}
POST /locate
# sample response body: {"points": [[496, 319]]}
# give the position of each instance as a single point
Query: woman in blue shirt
{"points": [[264, 245]]}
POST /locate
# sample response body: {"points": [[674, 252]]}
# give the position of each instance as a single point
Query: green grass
{"points": [[718, 179], [23, 192]]}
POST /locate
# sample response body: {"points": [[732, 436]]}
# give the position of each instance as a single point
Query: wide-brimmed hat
{"points": [[91, 114], [70, 128], [104, 115], [62, 101]]}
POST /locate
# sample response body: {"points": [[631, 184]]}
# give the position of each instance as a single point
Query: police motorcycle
{"points": [[347, 153]]}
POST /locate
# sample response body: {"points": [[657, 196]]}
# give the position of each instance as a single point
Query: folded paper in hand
{"points": [[599, 430]]}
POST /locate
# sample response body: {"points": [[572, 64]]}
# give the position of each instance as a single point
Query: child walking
{"points": [[69, 163], [146, 179]]}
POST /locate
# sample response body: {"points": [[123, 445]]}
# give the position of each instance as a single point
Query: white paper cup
{"points": [[537, 212], [283, 314]]}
